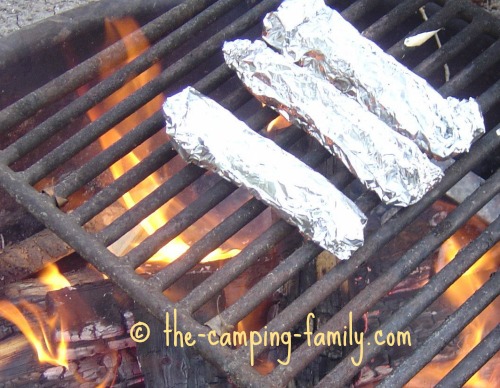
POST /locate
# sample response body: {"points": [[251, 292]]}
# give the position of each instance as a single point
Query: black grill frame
{"points": [[148, 292]]}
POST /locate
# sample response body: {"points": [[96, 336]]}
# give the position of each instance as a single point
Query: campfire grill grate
{"points": [[167, 33]]}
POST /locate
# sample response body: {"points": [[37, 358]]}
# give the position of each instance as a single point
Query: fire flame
{"points": [[116, 30], [39, 335], [455, 296], [40, 329], [52, 278], [277, 124]]}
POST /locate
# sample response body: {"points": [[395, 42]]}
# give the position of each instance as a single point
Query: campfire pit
{"points": [[53, 165]]}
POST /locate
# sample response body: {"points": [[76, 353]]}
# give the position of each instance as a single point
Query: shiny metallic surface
{"points": [[317, 37], [205, 133], [385, 161]]}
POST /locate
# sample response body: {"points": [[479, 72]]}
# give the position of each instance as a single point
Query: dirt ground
{"points": [[16, 14]]}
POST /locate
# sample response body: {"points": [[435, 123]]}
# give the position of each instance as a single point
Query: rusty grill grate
{"points": [[383, 21]]}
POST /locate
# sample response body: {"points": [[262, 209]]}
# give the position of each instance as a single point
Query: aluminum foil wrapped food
{"points": [[205, 133], [317, 37], [385, 161]]}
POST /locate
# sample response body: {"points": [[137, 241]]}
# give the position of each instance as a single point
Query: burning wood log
{"points": [[34, 292], [19, 366], [32, 254], [95, 332], [17, 361]]}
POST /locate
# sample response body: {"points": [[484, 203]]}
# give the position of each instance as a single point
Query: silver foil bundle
{"points": [[205, 133], [385, 161], [317, 37]]}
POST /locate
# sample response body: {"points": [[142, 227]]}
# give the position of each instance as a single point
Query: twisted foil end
{"points": [[317, 37]]}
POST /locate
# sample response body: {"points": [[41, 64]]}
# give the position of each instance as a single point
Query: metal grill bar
{"points": [[470, 14], [92, 250], [152, 202], [167, 276], [149, 292], [221, 190], [448, 51], [271, 282], [381, 286], [195, 210], [390, 20], [179, 223], [159, 157], [449, 329], [131, 178], [319, 291], [129, 141], [437, 21], [89, 69], [489, 97], [473, 361], [62, 191], [268, 284], [487, 59], [143, 95], [110, 155], [210, 287], [246, 213], [367, 201], [428, 294], [359, 8], [111, 84]]}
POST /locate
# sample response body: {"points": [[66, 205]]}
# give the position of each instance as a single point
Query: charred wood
{"points": [[21, 260], [34, 292], [98, 317], [175, 365]]}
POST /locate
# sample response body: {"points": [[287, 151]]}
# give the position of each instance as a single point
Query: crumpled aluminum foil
{"points": [[385, 161], [317, 37], [205, 133]]}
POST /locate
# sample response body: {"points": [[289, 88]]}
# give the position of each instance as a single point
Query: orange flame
{"points": [[39, 335], [114, 31], [39, 329], [278, 123], [455, 296], [52, 278]]}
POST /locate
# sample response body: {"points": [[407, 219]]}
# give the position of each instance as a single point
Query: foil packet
{"points": [[385, 161], [317, 37], [208, 135]]}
